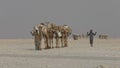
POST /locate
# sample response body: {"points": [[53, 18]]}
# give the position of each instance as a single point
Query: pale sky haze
{"points": [[17, 17]]}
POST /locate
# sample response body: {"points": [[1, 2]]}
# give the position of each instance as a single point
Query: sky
{"points": [[18, 17]]}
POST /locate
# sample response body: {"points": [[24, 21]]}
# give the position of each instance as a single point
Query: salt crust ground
{"points": [[20, 53]]}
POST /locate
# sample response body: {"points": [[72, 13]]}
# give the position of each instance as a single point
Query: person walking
{"points": [[91, 36]]}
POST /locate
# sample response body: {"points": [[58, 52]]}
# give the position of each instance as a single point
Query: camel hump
{"points": [[67, 28]]}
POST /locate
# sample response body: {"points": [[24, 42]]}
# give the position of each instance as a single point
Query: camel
{"points": [[44, 31], [43, 28], [50, 27], [48, 31], [66, 32], [62, 33], [105, 36], [37, 37], [58, 35]]}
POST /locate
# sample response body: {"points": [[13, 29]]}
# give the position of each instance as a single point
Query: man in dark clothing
{"points": [[91, 36]]}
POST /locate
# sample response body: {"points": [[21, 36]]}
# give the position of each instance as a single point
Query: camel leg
{"points": [[57, 42], [62, 39], [51, 40], [40, 45], [45, 44], [37, 45], [52, 43], [47, 41], [65, 41]]}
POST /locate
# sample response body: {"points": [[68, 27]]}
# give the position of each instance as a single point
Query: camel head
{"points": [[66, 29], [35, 31], [41, 25]]}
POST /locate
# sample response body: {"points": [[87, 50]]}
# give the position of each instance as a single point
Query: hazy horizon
{"points": [[18, 17]]}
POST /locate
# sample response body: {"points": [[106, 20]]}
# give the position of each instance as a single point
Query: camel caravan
{"points": [[50, 32], [101, 36], [83, 36]]}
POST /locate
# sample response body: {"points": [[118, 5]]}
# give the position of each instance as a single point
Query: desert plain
{"points": [[21, 53]]}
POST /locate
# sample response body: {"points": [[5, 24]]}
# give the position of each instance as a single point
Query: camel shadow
{"points": [[32, 49]]}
